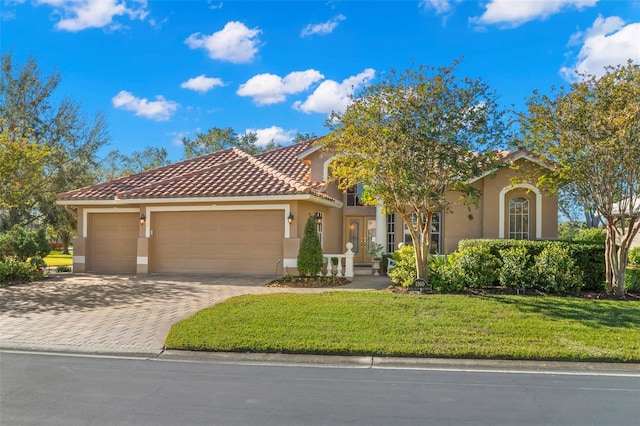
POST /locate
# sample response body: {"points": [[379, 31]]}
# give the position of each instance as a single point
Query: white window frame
{"points": [[517, 212]]}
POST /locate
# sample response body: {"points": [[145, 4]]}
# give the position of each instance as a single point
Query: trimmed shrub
{"points": [[474, 267], [589, 258], [23, 244], [632, 280], [556, 271], [591, 236], [404, 271], [310, 253], [516, 267], [440, 273], [634, 256]]}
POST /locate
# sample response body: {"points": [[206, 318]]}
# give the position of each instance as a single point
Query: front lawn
{"points": [[55, 258], [387, 324]]}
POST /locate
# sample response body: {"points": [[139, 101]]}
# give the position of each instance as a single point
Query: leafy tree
{"points": [[216, 139], [23, 244], [411, 139], [22, 168], [591, 130], [117, 165], [301, 137], [33, 113], [310, 253]]}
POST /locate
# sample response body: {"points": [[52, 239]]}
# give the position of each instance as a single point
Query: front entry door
{"points": [[361, 232]]}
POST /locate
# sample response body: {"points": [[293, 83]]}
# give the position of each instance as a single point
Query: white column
{"points": [[381, 227]]}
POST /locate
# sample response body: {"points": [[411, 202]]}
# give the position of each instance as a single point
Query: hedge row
{"points": [[588, 258]]}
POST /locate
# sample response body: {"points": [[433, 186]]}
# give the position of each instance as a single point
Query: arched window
{"points": [[519, 218]]}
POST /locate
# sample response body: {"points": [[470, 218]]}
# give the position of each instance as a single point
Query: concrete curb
{"points": [[339, 361], [124, 352]]}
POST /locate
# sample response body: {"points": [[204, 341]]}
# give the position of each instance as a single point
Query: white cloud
{"points": [[324, 28], [273, 133], [234, 43], [158, 110], [269, 89], [608, 42], [440, 6], [78, 15], [514, 13], [333, 96], [202, 83]]}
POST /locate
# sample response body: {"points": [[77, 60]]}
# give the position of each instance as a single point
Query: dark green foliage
{"points": [[634, 256], [474, 267], [23, 244], [310, 253], [13, 270], [632, 279], [516, 265], [591, 236], [589, 258], [556, 270]]}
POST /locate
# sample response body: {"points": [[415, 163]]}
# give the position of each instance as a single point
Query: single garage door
{"points": [[113, 242], [217, 242]]}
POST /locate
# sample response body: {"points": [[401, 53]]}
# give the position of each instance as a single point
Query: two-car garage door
{"points": [[218, 242]]}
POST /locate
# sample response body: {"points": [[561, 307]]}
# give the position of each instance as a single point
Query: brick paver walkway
{"points": [[118, 314]]}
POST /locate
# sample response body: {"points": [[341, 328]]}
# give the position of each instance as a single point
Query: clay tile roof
{"points": [[226, 173]]}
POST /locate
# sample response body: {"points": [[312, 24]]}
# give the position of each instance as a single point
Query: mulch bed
{"points": [[309, 282]]}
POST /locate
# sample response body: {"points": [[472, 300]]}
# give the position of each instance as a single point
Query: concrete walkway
{"points": [[124, 315]]}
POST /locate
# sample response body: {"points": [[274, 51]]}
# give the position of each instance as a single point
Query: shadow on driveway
{"points": [[76, 293]]}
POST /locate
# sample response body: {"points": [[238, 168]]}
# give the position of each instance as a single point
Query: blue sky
{"points": [[161, 70]]}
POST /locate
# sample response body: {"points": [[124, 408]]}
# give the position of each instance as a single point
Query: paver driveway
{"points": [[113, 314]]}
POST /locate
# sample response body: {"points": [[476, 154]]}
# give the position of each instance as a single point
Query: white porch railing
{"points": [[343, 266]]}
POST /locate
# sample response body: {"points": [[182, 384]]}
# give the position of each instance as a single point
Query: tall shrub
{"points": [[23, 244], [310, 253], [515, 270], [556, 270], [474, 267]]}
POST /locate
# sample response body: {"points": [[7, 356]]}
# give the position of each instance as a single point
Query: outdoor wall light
{"points": [[318, 217], [290, 218], [142, 218]]}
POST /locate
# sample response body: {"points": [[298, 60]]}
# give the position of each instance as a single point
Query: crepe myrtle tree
{"points": [[592, 132], [413, 137]]}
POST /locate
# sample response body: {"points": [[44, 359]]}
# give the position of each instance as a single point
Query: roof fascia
{"points": [[518, 156], [308, 152]]}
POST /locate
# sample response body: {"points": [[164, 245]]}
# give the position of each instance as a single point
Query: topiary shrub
{"points": [[591, 236], [310, 253], [516, 268], [634, 256], [556, 271], [404, 270], [23, 244], [474, 267]]}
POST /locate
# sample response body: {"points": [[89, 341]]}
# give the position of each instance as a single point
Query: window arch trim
{"points": [[502, 208]]}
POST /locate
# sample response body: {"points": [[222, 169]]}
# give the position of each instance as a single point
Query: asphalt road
{"points": [[44, 389]]}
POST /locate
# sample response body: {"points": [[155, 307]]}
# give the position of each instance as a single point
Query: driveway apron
{"points": [[114, 314]]}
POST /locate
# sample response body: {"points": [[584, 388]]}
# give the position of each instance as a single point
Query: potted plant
{"points": [[376, 254]]}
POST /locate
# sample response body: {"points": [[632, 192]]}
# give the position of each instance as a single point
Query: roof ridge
{"points": [[300, 186], [191, 173]]}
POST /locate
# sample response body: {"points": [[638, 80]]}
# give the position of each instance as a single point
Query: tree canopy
{"points": [[592, 131], [116, 165], [59, 140], [413, 137], [216, 139]]}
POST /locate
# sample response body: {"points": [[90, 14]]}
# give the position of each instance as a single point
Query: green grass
{"points": [[55, 258], [386, 324]]}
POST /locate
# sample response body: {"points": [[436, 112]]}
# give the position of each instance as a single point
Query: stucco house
{"points": [[231, 212]]}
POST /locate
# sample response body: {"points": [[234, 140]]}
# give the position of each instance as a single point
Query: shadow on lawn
{"points": [[593, 313]]}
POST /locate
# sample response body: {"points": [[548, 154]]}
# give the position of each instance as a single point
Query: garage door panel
{"points": [[241, 242], [113, 242]]}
